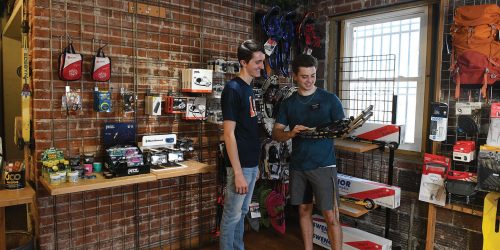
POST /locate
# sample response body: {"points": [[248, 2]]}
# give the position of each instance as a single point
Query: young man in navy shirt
{"points": [[312, 167], [241, 137]]}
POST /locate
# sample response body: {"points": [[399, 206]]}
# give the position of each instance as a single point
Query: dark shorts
{"points": [[320, 182]]}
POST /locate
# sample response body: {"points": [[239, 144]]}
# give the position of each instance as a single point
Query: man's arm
{"points": [[232, 151], [279, 133]]}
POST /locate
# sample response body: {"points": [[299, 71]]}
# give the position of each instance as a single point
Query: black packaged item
{"points": [[489, 169]]}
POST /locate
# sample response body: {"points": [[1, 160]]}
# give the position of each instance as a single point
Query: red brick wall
{"points": [[147, 54]]}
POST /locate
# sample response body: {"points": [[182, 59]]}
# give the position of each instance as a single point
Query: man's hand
{"points": [[240, 183], [297, 129]]}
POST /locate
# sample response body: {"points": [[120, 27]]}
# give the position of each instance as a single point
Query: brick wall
{"points": [[147, 54], [454, 230]]}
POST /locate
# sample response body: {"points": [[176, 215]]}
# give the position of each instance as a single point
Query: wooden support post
{"points": [[3, 240], [431, 227]]}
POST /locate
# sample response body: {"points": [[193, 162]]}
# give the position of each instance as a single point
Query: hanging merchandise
{"points": [[489, 168], [175, 104], [129, 100], [102, 100], [464, 151], [70, 64], [101, 66], [288, 24], [153, 104], [270, 160], [494, 130], [308, 38], [71, 101], [275, 205], [196, 108], [476, 48], [461, 183], [491, 235], [271, 24], [197, 80], [439, 121], [433, 176]]}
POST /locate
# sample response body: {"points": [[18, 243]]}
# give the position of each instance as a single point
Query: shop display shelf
{"points": [[13, 197], [353, 146], [189, 168], [98, 183]]}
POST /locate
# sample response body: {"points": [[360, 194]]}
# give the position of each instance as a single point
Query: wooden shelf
{"points": [[16, 197], [352, 146], [191, 167], [351, 209], [97, 183]]}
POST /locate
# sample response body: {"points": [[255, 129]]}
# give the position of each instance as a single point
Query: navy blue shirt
{"points": [[238, 105], [320, 108]]}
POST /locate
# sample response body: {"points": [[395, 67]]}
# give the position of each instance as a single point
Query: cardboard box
{"points": [[352, 238], [196, 108], [360, 189], [197, 80]]}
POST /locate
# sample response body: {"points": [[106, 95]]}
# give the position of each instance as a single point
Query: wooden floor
{"points": [[268, 238]]}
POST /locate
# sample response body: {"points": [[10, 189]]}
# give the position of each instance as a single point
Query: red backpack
{"points": [[476, 50]]}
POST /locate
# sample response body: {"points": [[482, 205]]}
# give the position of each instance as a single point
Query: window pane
{"points": [[398, 34]]}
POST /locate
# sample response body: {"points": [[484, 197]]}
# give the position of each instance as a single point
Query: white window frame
{"points": [[421, 12]]}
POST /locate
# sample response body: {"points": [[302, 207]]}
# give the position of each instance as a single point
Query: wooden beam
{"points": [[431, 227], [3, 240]]}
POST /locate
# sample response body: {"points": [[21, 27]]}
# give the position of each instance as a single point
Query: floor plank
{"points": [[268, 238]]}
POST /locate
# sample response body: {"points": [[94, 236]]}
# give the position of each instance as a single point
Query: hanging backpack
{"points": [[70, 64], [475, 56], [101, 66]]}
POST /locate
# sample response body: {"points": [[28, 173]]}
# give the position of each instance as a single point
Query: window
{"points": [[403, 35]]}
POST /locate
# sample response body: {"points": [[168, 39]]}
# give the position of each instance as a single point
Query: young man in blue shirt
{"points": [[312, 166], [241, 137]]}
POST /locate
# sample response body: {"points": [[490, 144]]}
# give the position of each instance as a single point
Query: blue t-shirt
{"points": [[238, 105], [321, 108]]}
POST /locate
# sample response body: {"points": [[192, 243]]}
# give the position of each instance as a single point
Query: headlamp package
{"points": [[175, 105], [129, 101], [153, 105], [102, 100], [196, 108], [197, 80], [71, 101], [439, 121]]}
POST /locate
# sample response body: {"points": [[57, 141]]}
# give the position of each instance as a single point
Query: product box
{"points": [[196, 108], [197, 80], [360, 189], [122, 156], [379, 132], [153, 105], [175, 105], [352, 238], [432, 187], [464, 151]]}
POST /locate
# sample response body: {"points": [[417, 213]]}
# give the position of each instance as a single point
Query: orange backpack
{"points": [[476, 28]]}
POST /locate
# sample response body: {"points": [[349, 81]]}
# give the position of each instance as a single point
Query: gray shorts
{"points": [[322, 182]]}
